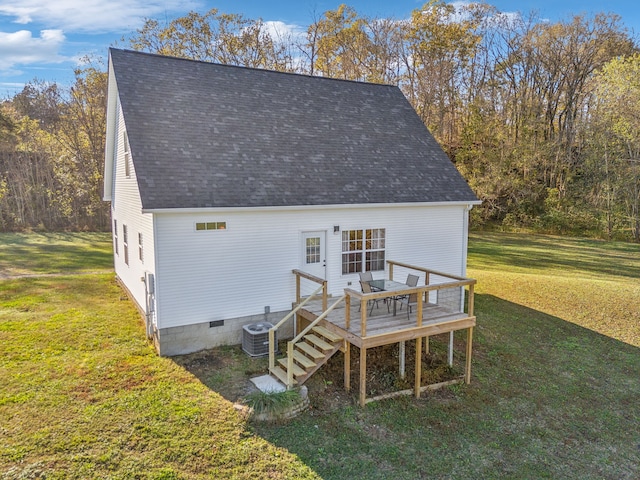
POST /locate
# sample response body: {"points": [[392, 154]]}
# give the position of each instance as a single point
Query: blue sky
{"points": [[46, 39]]}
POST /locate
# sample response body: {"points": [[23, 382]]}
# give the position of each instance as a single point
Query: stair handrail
{"points": [[292, 343], [272, 330]]}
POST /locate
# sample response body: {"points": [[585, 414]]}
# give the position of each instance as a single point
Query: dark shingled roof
{"points": [[210, 135]]}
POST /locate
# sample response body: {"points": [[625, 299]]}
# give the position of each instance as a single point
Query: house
{"points": [[224, 179]]}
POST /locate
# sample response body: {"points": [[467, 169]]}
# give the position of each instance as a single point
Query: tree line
{"points": [[542, 118]]}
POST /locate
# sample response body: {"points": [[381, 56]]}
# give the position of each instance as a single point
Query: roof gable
{"points": [[210, 135]]}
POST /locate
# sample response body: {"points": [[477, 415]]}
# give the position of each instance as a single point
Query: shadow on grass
{"points": [[548, 399], [226, 370]]}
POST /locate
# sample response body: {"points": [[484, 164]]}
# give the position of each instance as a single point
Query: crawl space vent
{"points": [[255, 339]]}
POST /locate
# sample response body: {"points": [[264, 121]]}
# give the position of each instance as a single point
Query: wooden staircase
{"points": [[309, 354]]}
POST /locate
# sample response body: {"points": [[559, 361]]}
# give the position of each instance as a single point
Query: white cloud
{"points": [[499, 19], [280, 30], [91, 16], [21, 48]]}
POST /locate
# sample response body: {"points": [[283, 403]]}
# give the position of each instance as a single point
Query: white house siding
{"points": [[233, 274], [126, 209]]}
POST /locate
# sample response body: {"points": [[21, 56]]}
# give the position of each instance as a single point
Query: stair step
{"points": [[309, 350], [281, 375], [297, 371], [329, 335], [318, 342], [303, 360]]}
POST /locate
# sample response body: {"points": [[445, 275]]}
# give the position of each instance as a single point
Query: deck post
{"points": [[289, 365], [347, 366], [402, 357], [363, 376], [419, 309], [297, 289], [416, 389], [451, 348], [467, 370], [347, 311], [272, 352], [324, 296], [297, 323]]}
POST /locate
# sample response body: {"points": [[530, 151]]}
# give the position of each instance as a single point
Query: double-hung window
{"points": [[125, 243], [127, 155], [140, 248], [115, 236], [363, 250]]}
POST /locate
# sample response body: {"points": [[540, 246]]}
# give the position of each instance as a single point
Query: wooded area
{"points": [[542, 119]]}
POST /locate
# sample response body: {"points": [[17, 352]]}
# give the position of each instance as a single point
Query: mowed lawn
{"points": [[555, 384], [83, 394]]}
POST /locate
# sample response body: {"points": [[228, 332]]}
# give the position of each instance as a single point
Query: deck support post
{"points": [[451, 348], [471, 302], [402, 357], [416, 389], [325, 295], [363, 376], [347, 366], [467, 370]]}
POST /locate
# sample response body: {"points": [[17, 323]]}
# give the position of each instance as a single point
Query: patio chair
{"points": [[412, 281], [408, 300], [366, 288], [366, 276]]}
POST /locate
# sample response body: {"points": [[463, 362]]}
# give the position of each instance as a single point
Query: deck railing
{"points": [[291, 343], [300, 302], [442, 294]]}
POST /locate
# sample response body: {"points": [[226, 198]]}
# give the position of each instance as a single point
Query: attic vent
{"points": [[255, 339]]}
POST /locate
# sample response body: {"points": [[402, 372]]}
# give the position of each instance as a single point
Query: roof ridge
{"points": [[230, 65]]}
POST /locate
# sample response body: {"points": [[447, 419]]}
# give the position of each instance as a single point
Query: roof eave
{"points": [[466, 203]]}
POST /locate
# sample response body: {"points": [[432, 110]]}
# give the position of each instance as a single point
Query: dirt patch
{"points": [[228, 370]]}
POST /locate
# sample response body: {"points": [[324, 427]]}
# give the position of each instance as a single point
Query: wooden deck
{"points": [[438, 309], [384, 328]]}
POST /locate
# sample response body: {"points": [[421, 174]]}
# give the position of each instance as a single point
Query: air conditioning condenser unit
{"points": [[255, 339]]}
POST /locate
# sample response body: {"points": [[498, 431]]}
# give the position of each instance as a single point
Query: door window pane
{"points": [[313, 250]]}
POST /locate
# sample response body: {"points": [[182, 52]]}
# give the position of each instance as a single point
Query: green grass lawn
{"points": [[554, 392], [40, 253]]}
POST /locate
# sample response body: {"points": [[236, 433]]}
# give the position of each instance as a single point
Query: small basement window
{"points": [[200, 226]]}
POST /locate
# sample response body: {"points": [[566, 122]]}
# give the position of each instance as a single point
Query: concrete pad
{"points": [[266, 383]]}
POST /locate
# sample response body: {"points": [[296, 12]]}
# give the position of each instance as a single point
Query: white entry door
{"points": [[314, 260]]}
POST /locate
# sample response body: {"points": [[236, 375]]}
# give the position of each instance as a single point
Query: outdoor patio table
{"points": [[388, 286]]}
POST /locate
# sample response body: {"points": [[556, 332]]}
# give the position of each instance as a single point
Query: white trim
{"points": [[308, 207], [110, 143]]}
